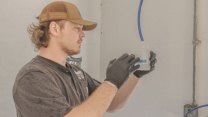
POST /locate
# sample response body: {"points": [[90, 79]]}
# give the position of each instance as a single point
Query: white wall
{"points": [[16, 48], [91, 60], [168, 29], [167, 26], [202, 57]]}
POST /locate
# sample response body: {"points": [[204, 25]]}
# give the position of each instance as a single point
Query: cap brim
{"points": [[87, 25]]}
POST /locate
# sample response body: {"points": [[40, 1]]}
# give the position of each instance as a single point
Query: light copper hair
{"points": [[40, 34]]}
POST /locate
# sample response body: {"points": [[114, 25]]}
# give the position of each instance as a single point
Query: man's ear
{"points": [[54, 28]]}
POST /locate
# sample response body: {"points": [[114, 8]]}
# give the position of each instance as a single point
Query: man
{"points": [[48, 86]]}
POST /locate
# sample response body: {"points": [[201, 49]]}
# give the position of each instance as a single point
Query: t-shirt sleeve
{"points": [[38, 95]]}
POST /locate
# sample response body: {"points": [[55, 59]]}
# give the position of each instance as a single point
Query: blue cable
{"points": [[139, 21], [206, 105]]}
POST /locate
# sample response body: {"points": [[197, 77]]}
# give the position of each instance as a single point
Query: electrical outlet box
{"points": [[189, 107]]}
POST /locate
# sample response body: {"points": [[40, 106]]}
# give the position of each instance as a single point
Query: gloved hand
{"points": [[139, 73], [119, 69]]}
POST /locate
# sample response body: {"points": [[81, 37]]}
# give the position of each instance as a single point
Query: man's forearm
{"points": [[123, 94], [97, 104]]}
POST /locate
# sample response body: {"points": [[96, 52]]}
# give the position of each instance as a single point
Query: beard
{"points": [[71, 51]]}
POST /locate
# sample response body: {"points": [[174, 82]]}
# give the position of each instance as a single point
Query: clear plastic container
{"points": [[144, 55]]}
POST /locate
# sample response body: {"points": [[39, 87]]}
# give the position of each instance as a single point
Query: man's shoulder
{"points": [[29, 70], [30, 67], [33, 67]]}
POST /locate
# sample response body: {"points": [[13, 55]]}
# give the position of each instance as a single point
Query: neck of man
{"points": [[54, 55]]}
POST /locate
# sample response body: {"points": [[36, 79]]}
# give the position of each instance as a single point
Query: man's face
{"points": [[71, 36]]}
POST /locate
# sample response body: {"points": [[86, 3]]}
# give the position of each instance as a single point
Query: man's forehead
{"points": [[74, 24]]}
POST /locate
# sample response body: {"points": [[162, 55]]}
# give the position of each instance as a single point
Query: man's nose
{"points": [[82, 34]]}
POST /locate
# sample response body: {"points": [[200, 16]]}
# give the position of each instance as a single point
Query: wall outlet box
{"points": [[189, 107]]}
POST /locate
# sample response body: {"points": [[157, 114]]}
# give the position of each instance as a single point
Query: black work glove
{"points": [[139, 73], [119, 69]]}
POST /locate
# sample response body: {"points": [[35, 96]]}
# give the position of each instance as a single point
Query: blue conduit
{"points": [[139, 21], [186, 115]]}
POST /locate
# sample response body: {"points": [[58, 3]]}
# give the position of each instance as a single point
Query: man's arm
{"points": [[123, 94], [97, 104]]}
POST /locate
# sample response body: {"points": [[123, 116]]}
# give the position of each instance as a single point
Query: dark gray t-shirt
{"points": [[44, 88]]}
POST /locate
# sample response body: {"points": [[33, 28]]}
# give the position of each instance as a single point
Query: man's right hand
{"points": [[119, 69]]}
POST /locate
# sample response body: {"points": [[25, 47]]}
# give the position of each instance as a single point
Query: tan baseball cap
{"points": [[61, 10]]}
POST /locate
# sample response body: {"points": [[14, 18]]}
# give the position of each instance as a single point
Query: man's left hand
{"points": [[139, 73]]}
